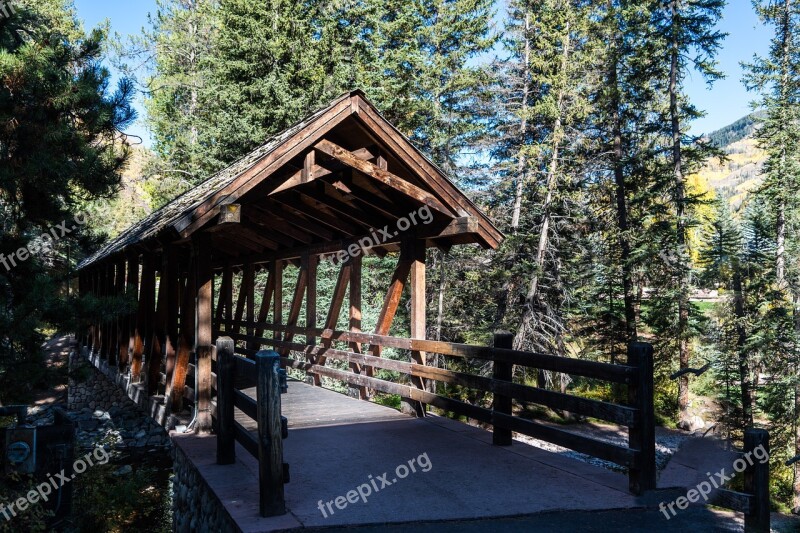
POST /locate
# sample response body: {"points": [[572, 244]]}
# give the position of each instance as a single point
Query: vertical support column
{"points": [[311, 262], [177, 385], [170, 278], [250, 276], [226, 433], [121, 333], [270, 442], [418, 305], [642, 435], [756, 481], [277, 301], [355, 315], [132, 288], [142, 317], [504, 371], [203, 332], [107, 280]]}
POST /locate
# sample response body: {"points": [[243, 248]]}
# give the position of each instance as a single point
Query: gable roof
{"points": [[266, 166]]}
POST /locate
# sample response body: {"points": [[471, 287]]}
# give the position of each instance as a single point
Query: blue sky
{"points": [[726, 102]]}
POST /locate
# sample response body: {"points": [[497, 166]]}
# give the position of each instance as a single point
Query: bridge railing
{"points": [[637, 414]]}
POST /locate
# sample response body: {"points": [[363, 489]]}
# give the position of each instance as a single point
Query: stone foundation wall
{"points": [[89, 388], [195, 506]]}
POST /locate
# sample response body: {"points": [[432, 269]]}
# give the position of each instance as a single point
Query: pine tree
{"points": [[60, 147]]}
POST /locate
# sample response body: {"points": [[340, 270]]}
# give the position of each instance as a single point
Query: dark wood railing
{"points": [[637, 415]]}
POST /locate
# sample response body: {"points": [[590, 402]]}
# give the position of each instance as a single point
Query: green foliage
{"points": [[61, 148], [34, 518]]}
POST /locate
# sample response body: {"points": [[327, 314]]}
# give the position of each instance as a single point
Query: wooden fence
{"points": [[637, 414]]}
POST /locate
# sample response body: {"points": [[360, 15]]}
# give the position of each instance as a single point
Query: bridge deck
{"points": [[337, 444]]}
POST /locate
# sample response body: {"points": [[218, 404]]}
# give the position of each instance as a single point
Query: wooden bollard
{"points": [[226, 433], [270, 442], [642, 435], [502, 404], [756, 482]]}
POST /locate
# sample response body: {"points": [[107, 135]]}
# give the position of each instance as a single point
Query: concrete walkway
{"points": [[438, 475], [409, 470]]}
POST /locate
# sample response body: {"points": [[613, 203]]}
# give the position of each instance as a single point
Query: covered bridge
{"points": [[341, 183]]}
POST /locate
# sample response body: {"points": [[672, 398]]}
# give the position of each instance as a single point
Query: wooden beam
{"points": [[171, 276], [297, 301], [132, 290], [387, 178], [277, 299], [252, 176], [276, 223], [157, 345], [175, 389], [121, 328], [355, 315], [311, 263], [269, 290], [203, 329], [339, 292], [144, 312], [418, 309]]}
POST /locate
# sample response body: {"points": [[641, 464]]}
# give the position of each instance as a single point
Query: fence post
{"points": [[226, 435], [642, 435], [502, 404], [270, 442], [756, 481]]}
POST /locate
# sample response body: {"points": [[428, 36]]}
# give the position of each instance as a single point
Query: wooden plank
{"points": [[248, 441], [392, 300], [171, 279], [387, 178], [596, 448], [355, 314]]}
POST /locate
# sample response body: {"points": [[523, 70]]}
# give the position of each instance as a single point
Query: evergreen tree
{"points": [[60, 147]]}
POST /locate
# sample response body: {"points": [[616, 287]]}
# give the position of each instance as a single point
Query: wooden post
{"points": [[311, 263], [642, 435], [502, 404], [355, 315], [226, 435], [270, 442], [277, 300], [143, 316], [121, 333], [203, 332], [418, 320], [132, 286], [756, 481]]}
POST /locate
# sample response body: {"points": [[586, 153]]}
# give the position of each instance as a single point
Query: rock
{"points": [[140, 434], [123, 470]]}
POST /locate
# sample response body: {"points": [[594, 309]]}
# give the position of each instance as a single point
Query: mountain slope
{"points": [[735, 177]]}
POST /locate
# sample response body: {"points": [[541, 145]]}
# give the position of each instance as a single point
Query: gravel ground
{"points": [[667, 443]]}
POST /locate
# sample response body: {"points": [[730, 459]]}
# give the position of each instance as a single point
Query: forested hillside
{"points": [[739, 173]]}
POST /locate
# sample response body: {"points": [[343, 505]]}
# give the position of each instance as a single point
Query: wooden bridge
{"points": [[208, 273]]}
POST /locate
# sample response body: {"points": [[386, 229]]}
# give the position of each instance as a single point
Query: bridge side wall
{"points": [[195, 505]]}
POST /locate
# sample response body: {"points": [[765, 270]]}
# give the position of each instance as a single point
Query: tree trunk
{"points": [[680, 201], [523, 130], [620, 191], [552, 182], [741, 340]]}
